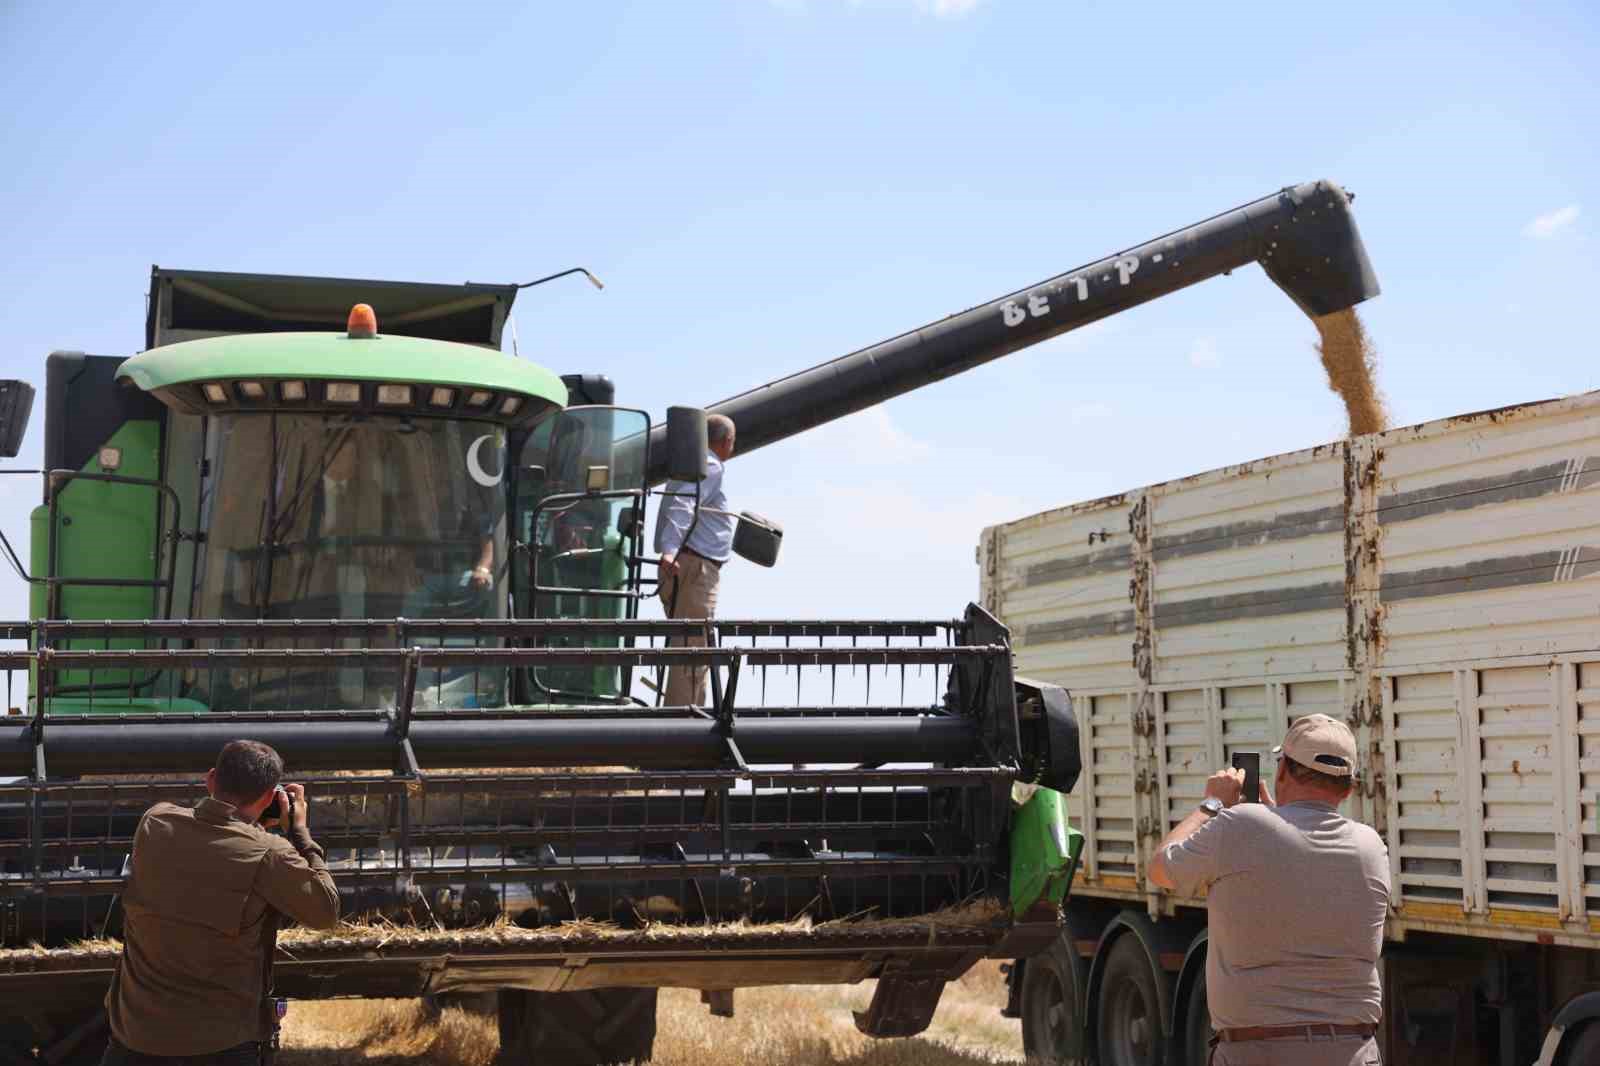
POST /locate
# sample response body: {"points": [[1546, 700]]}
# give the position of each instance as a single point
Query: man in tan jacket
{"points": [[207, 890]]}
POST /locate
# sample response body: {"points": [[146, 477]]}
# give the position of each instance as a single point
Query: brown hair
{"points": [[246, 769], [1313, 778]]}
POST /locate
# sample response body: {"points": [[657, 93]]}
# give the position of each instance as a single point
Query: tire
{"points": [[1129, 1029], [1052, 1011], [74, 1037], [1197, 1024], [16, 1042], [594, 1028], [1582, 1047]]}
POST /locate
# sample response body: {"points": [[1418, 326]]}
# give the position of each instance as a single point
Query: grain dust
{"points": [[1351, 364]]}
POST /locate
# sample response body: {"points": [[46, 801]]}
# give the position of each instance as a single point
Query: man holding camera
{"points": [[1296, 896], [207, 888]]}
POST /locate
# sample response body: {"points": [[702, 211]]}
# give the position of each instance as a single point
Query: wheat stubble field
{"points": [[802, 1026]]}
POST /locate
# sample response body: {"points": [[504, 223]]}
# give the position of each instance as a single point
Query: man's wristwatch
{"points": [[1211, 806]]}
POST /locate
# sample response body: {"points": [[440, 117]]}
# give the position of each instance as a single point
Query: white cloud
{"points": [[1550, 224], [866, 436], [939, 9], [1204, 354], [1089, 412]]}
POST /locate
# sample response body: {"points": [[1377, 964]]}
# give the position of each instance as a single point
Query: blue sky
{"points": [[764, 184]]}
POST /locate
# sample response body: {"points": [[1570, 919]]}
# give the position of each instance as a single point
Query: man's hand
{"points": [[481, 577], [669, 564], [1226, 785], [297, 806]]}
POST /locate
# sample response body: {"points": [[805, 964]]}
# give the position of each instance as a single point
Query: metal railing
{"points": [[755, 808]]}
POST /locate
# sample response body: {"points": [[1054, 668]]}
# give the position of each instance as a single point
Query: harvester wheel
{"points": [[594, 1028], [16, 1042], [1130, 1031], [1052, 1005]]}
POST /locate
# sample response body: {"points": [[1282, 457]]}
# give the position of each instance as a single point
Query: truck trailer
{"points": [[333, 516], [1437, 588]]}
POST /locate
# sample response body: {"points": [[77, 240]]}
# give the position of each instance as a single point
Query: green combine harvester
{"points": [[414, 565]]}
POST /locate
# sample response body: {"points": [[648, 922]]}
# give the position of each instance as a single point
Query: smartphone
{"points": [[1250, 763]]}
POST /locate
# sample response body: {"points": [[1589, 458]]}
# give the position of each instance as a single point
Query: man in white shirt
{"points": [[693, 549]]}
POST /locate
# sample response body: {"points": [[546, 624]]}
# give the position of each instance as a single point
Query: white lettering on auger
{"points": [[1038, 305]]}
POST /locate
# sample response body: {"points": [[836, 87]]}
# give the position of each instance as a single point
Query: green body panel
{"points": [[104, 530], [606, 571], [107, 530], [1044, 851], [113, 704], [38, 559], [334, 355]]}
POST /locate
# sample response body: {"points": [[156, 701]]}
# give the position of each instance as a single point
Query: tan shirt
{"points": [[1296, 898], [191, 980]]}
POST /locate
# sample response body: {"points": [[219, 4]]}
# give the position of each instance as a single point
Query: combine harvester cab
{"points": [[414, 565]]}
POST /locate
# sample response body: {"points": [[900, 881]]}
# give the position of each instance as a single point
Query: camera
{"points": [[280, 809]]}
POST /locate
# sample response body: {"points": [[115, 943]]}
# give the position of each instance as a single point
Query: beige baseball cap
{"points": [[1321, 743]]}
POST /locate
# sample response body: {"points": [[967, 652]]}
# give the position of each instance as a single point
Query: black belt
{"points": [[1316, 1031], [707, 558]]}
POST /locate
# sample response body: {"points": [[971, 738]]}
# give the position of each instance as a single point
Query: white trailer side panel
{"points": [[1437, 586]]}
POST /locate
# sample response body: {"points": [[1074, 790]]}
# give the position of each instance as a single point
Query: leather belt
{"points": [[686, 550], [1318, 1031]]}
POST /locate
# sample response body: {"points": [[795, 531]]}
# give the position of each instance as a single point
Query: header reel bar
{"points": [[959, 729]]}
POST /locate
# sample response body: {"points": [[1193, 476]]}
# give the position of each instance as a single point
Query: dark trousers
{"points": [[246, 1054]]}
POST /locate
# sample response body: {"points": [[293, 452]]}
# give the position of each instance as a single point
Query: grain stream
{"points": [[1351, 364]]}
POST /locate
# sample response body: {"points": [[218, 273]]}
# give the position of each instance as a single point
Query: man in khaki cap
{"points": [[1297, 895]]}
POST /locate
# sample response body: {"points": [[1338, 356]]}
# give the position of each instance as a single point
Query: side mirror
{"points": [[629, 522], [686, 444], [16, 404]]}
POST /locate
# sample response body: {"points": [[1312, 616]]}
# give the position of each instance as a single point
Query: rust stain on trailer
{"points": [[1139, 591]]}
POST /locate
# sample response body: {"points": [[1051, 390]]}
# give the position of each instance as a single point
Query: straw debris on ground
{"points": [[1352, 365], [783, 1026]]}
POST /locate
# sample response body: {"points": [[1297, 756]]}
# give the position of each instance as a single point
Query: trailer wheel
{"points": [[594, 1028], [1583, 1050], [1129, 1028], [1197, 1024], [1052, 1005]]}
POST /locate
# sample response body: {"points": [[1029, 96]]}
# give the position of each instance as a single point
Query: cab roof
{"points": [[178, 373], [187, 305]]}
